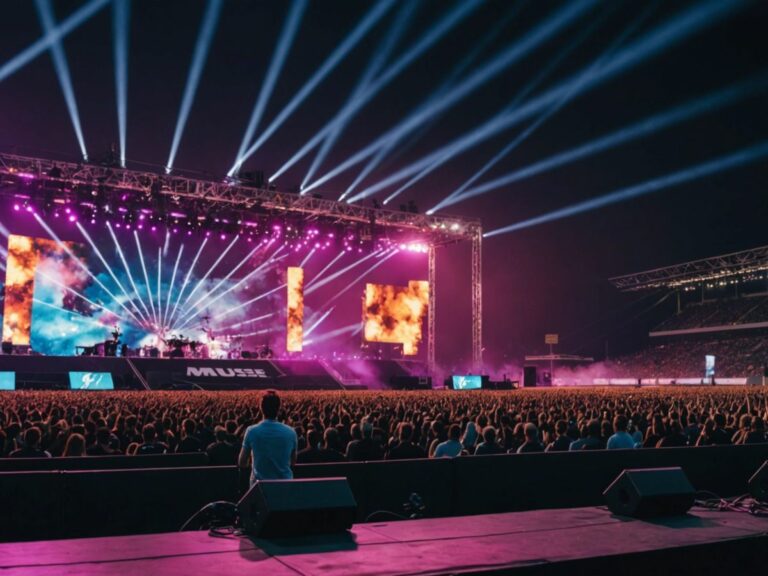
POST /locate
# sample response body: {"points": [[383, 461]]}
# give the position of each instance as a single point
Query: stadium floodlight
{"points": [[109, 270], [380, 55], [148, 287], [460, 68], [284, 43], [650, 125], [65, 27], [541, 33], [727, 162], [48, 21], [204, 39], [121, 10], [354, 37], [84, 268], [673, 31]]}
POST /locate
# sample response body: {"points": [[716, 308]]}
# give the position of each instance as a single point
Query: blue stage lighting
{"points": [[380, 55], [204, 38], [514, 53], [290, 27], [645, 127], [370, 19], [721, 164], [121, 10], [66, 26], [47, 19]]}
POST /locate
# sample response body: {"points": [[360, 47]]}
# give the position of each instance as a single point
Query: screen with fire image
{"points": [[394, 314], [295, 328]]}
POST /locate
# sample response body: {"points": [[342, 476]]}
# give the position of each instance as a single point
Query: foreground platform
{"points": [[573, 541]]}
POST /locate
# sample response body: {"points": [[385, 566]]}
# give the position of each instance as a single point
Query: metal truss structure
{"points": [[740, 264], [66, 178]]}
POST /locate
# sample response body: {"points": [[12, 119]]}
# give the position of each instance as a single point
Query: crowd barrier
{"points": [[69, 503], [189, 459]]}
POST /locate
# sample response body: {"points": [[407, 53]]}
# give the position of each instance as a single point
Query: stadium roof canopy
{"points": [[746, 265]]}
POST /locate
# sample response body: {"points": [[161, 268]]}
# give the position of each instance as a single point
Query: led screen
{"points": [[91, 381], [394, 314], [467, 382], [7, 380], [295, 328]]}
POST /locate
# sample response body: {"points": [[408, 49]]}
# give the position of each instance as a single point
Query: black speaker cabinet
{"points": [[529, 376], [284, 508], [645, 493], [758, 484]]}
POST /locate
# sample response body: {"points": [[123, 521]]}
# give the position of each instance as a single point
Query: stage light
{"points": [[120, 35], [186, 278], [68, 25], [512, 54], [45, 14], [110, 271], [368, 88], [721, 164], [362, 28], [84, 268], [645, 127], [146, 279], [204, 38], [278, 60], [127, 268]]}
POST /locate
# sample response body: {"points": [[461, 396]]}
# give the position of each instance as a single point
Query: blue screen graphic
{"points": [[91, 381], [7, 380], [467, 382]]}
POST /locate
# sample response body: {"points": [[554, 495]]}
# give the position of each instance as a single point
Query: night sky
{"points": [[547, 278]]}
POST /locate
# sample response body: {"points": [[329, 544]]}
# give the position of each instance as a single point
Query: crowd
{"points": [[357, 426]]}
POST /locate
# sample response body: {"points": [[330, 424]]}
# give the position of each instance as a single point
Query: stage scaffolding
{"points": [[68, 179]]}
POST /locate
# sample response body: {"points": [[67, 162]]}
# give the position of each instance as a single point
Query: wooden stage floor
{"points": [[573, 541]]}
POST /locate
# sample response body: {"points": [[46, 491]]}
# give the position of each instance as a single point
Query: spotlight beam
{"points": [[349, 329], [170, 287], [121, 10], [319, 321], [71, 312], [110, 271], [146, 279], [159, 286], [307, 257], [211, 269], [326, 267], [728, 162], [65, 27], [84, 268], [354, 104], [204, 38], [127, 269], [645, 127], [186, 280], [447, 83], [185, 319], [251, 301], [319, 284], [354, 282], [287, 35], [362, 28], [672, 31], [45, 14], [243, 322], [536, 37]]}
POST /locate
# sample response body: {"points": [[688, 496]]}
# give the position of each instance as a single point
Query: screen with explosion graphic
{"points": [[394, 314]]}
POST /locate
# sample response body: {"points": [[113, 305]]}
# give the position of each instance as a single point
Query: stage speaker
{"points": [[645, 493], [529, 376], [284, 508], [758, 484]]}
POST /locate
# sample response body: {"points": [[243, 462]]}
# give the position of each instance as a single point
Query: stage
{"points": [[537, 542]]}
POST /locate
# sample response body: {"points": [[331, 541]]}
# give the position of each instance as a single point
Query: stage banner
{"points": [[207, 373]]}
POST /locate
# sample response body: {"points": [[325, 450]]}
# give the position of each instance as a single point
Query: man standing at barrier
{"points": [[270, 445]]}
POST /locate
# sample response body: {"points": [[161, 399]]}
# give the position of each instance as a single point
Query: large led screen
{"points": [[395, 314]]}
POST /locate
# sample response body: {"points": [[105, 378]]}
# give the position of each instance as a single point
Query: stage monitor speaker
{"points": [[650, 492], [285, 508], [758, 484], [529, 376]]}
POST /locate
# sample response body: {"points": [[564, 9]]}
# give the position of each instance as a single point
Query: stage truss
{"points": [[744, 263], [66, 178]]}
